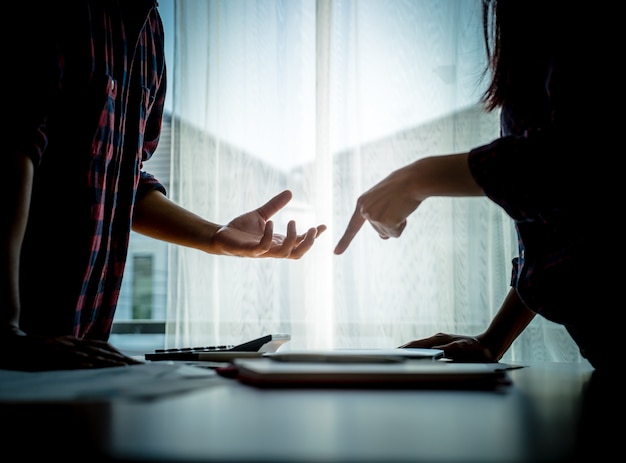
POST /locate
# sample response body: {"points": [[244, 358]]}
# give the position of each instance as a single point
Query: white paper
{"points": [[144, 381]]}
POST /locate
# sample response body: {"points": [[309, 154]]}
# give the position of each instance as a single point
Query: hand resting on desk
{"points": [[38, 353], [456, 347]]}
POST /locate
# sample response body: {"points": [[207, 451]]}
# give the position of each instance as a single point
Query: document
{"points": [[144, 381]]}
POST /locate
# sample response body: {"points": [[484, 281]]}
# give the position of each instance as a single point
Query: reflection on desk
{"points": [[551, 412]]}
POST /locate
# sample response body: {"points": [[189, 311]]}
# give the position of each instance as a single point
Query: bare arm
{"points": [[15, 206], [388, 204], [512, 318], [248, 235], [158, 217]]}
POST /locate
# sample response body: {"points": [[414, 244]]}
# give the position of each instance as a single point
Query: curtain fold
{"points": [[326, 98]]}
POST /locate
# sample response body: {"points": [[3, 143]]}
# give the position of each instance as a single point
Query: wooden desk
{"points": [[551, 413]]}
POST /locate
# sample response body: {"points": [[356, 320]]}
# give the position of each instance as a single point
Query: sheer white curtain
{"points": [[326, 98]]}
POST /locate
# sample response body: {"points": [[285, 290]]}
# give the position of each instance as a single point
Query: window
{"points": [[143, 278], [324, 98]]}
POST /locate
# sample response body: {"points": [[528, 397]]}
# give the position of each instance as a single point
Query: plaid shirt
{"points": [[87, 98]]}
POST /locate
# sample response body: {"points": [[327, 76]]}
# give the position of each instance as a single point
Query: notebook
{"points": [[267, 373]]}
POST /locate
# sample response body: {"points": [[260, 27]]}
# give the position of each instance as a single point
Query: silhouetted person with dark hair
{"points": [[546, 171]]}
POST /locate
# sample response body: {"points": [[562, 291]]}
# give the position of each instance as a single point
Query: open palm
{"points": [[252, 234]]}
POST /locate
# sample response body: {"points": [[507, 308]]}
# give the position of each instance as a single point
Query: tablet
{"points": [[357, 355]]}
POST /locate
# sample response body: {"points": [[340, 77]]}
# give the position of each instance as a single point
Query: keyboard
{"points": [[254, 348]]}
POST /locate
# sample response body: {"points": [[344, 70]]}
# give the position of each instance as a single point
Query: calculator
{"points": [[254, 348]]}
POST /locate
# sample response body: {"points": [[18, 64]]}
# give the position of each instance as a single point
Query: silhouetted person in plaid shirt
{"points": [[84, 101]]}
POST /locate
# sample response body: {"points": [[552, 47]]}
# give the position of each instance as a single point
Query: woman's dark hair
{"points": [[520, 36]]}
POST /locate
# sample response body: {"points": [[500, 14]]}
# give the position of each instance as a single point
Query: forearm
{"points": [[512, 318], [445, 175], [15, 207], [158, 217]]}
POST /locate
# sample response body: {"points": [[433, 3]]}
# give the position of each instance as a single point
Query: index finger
{"points": [[355, 224]]}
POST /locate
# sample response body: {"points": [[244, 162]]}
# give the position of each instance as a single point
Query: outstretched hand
{"points": [[385, 206], [388, 204], [456, 347], [252, 234], [39, 353]]}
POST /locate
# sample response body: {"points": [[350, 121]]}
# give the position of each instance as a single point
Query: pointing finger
{"points": [[355, 224]]}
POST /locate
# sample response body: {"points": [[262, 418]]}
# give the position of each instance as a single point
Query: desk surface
{"points": [[550, 412]]}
